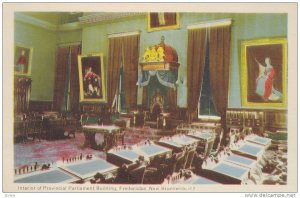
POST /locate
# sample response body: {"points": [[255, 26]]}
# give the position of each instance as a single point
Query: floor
{"points": [[47, 151]]}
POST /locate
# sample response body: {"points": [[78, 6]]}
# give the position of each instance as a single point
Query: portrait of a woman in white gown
{"points": [[264, 82]]}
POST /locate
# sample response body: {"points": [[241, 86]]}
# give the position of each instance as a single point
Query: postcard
{"points": [[150, 97]]}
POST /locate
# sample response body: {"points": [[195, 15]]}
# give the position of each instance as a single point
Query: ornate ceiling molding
{"points": [[69, 27], [46, 25], [106, 16], [221, 22], [89, 19], [34, 21]]}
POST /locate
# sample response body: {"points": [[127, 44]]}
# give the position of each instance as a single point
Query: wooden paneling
{"points": [[40, 106], [276, 120], [259, 119], [22, 90], [93, 108]]}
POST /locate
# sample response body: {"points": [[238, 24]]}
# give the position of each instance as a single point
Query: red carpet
{"points": [[51, 151], [47, 151]]}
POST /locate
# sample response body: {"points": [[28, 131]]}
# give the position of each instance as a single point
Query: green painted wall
{"points": [[95, 39], [50, 17], [245, 26], [249, 26], [69, 37], [43, 43]]}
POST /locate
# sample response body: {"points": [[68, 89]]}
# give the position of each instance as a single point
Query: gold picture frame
{"points": [[22, 60], [264, 73], [92, 78], [162, 21]]}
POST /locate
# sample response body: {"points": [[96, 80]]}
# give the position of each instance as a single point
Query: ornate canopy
{"points": [[160, 60]]}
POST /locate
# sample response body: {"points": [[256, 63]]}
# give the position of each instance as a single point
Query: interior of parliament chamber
{"points": [[150, 98]]}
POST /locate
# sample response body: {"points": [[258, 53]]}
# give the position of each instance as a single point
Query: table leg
{"points": [[164, 122], [134, 120], [89, 139]]}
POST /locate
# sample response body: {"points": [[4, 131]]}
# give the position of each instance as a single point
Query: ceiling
{"points": [[60, 18], [56, 18]]}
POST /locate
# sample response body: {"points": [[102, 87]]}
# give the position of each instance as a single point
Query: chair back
{"points": [[136, 176], [89, 119], [158, 160], [190, 158], [180, 161]]}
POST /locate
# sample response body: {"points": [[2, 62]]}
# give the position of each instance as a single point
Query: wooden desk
{"points": [[122, 156], [152, 150], [262, 141], [206, 140], [178, 142], [250, 150], [131, 155], [241, 161], [227, 173], [54, 175], [180, 178], [87, 169], [109, 132]]}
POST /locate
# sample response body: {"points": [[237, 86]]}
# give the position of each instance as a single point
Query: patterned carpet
{"points": [[51, 151]]}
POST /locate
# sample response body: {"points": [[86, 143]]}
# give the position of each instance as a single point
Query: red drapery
{"points": [[62, 61], [60, 77], [74, 80], [219, 58], [123, 49], [195, 68], [114, 62], [130, 60]]}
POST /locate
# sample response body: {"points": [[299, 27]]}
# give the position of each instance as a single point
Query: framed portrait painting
{"points": [[163, 21], [91, 78], [264, 73], [22, 60]]}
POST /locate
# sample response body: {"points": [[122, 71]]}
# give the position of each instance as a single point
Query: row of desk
{"points": [[234, 167], [130, 155], [70, 172], [74, 172], [49, 125], [165, 146]]}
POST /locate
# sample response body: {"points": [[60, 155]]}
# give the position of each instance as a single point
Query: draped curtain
{"points": [[130, 62], [114, 62], [123, 49], [195, 68], [218, 39], [219, 57], [60, 77], [166, 78], [66, 59], [74, 79]]}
